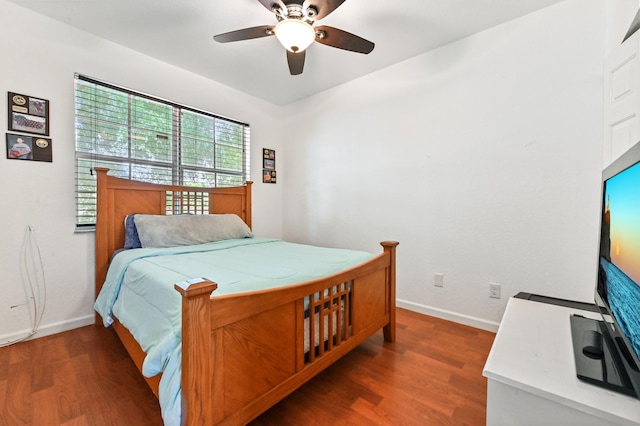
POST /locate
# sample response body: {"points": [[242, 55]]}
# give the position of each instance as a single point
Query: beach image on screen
{"points": [[620, 258]]}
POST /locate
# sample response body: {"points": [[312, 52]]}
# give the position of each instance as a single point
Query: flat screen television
{"points": [[607, 352]]}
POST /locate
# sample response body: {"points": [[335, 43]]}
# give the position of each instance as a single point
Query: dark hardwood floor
{"points": [[432, 375]]}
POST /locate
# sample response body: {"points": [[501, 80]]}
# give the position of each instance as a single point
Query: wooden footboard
{"points": [[243, 353]]}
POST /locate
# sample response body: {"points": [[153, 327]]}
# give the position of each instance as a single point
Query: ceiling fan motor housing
{"points": [[296, 11]]}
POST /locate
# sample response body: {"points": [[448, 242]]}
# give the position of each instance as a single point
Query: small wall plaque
{"points": [[22, 147], [28, 114], [268, 165]]}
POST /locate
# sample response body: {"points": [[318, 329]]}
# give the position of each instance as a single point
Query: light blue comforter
{"points": [[139, 291]]}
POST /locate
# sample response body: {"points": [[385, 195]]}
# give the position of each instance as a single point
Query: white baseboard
{"points": [[48, 329], [449, 316], [59, 327]]}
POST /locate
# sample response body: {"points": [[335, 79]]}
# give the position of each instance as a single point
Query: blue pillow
{"points": [[131, 238]]}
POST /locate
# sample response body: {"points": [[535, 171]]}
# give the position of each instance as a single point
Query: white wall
{"points": [[482, 158], [39, 58]]}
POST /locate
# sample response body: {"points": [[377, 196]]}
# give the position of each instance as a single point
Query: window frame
{"points": [[87, 149]]}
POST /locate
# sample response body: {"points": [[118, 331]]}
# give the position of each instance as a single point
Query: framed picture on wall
{"points": [[269, 176], [28, 114], [268, 159], [268, 165], [22, 147]]}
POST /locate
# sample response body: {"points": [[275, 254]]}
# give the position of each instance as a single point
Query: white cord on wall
{"points": [[33, 279]]}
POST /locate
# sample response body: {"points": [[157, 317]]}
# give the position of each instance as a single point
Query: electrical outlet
{"points": [[494, 290], [438, 280]]}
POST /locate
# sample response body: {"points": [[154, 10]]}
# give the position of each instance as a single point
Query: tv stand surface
{"points": [[532, 376]]}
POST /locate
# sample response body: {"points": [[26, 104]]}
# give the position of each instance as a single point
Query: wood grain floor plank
{"points": [[49, 415], [18, 395]]}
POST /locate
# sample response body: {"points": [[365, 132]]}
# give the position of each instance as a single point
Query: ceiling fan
{"points": [[295, 30]]}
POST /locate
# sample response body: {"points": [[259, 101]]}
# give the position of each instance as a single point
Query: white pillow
{"points": [[180, 230]]}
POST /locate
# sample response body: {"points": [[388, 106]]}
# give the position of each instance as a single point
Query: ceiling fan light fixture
{"points": [[294, 34]]}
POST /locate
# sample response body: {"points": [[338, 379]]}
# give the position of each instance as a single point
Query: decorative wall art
{"points": [[21, 147], [28, 114], [268, 165], [269, 176]]}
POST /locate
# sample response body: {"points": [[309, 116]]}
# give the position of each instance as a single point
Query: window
{"points": [[149, 139]]}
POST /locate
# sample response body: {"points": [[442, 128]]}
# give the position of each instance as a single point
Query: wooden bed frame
{"points": [[243, 353]]}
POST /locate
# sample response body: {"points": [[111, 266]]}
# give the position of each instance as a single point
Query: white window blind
{"points": [[149, 139]]}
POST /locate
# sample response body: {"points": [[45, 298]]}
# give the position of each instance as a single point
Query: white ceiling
{"points": [[180, 32]]}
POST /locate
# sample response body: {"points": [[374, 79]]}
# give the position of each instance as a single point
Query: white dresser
{"points": [[532, 378]]}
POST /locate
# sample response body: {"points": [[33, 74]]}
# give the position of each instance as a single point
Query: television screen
{"points": [[620, 252], [618, 290]]}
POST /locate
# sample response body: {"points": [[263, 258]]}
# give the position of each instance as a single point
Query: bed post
{"points": [[389, 330], [248, 207], [197, 367], [102, 233]]}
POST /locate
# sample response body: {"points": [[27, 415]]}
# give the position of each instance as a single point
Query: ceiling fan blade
{"points": [[324, 7], [296, 62], [270, 4], [245, 34], [343, 40]]}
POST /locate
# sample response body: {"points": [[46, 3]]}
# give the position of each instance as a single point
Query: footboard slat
{"points": [[311, 337]]}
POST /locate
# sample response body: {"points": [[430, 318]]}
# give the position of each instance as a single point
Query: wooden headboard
{"points": [[118, 197]]}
